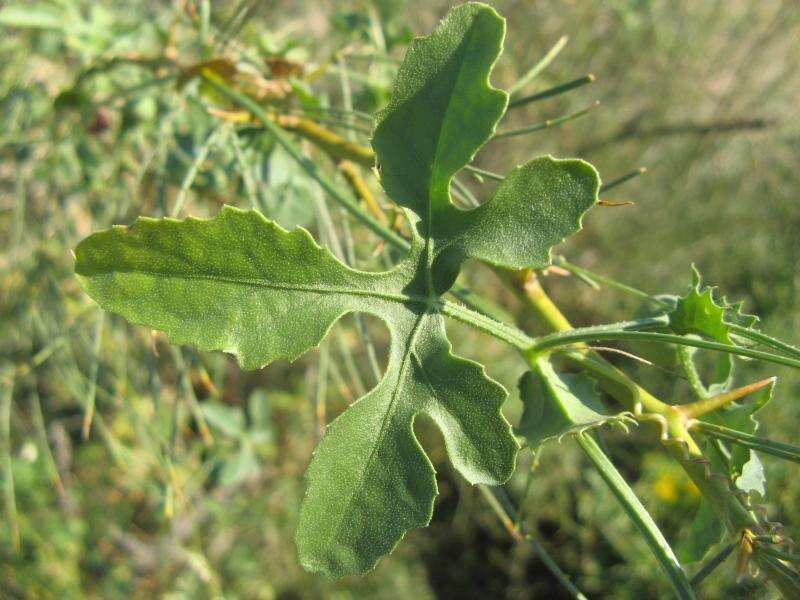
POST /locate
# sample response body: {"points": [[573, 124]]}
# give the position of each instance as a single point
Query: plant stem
{"points": [[603, 333], [498, 500], [309, 166], [712, 564], [779, 449], [638, 514], [540, 66], [626, 391], [553, 91], [546, 124], [7, 381]]}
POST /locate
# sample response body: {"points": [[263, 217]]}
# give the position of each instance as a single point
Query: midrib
{"points": [[275, 285]]}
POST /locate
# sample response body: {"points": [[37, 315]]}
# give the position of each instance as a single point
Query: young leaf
{"points": [[697, 312], [242, 284], [744, 466]]}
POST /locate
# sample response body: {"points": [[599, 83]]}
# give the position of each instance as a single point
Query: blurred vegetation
{"points": [[143, 470]]}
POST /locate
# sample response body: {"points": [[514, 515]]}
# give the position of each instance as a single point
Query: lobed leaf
{"points": [[242, 284]]}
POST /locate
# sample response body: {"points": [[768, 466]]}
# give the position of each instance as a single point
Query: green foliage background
{"points": [[703, 94]]}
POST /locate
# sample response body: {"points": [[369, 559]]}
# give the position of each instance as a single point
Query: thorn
{"points": [[699, 408], [615, 203]]}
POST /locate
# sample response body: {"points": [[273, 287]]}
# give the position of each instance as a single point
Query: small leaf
{"points": [[698, 313], [744, 465], [557, 404]]}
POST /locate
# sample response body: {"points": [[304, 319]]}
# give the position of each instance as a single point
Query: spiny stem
{"points": [[553, 91], [701, 407]]}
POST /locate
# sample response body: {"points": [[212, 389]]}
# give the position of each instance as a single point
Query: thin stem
{"points": [[484, 173], [598, 334], [598, 278], [500, 503], [507, 333], [639, 515], [622, 179], [712, 564], [689, 369], [91, 396], [540, 66], [546, 124], [763, 338], [765, 445], [191, 174], [7, 381], [553, 91], [307, 165]]}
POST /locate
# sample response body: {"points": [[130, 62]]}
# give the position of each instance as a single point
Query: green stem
{"points": [[606, 333], [712, 564], [622, 179], [757, 336], [779, 449], [692, 376], [553, 91], [540, 66], [7, 381], [306, 164], [639, 515], [546, 124], [500, 503]]}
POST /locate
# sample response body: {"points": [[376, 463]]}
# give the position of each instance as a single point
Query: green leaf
{"points": [[242, 284], [698, 313], [557, 404], [442, 109], [744, 466]]}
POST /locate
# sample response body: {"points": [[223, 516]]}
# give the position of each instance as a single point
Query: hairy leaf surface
{"points": [[242, 284]]}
